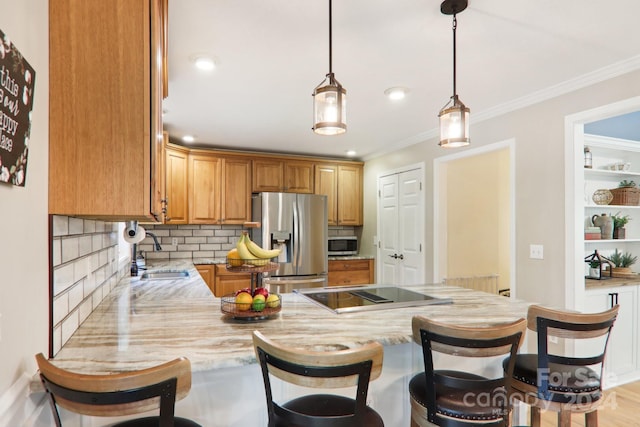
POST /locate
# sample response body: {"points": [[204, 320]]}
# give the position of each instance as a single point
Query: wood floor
{"points": [[621, 408]]}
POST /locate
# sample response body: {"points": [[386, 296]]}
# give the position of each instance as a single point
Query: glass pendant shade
{"points": [[330, 108], [454, 125]]}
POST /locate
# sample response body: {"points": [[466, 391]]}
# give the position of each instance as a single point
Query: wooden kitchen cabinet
{"points": [[226, 282], [350, 272], [105, 96], [219, 189], [207, 271], [291, 176], [176, 185], [342, 184]]}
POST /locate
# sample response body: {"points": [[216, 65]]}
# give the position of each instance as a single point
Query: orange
{"points": [[243, 301]]}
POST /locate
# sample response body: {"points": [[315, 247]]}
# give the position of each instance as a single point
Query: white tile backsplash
{"points": [[85, 269]]}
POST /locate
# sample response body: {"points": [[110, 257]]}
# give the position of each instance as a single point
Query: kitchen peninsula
{"points": [[147, 322]]}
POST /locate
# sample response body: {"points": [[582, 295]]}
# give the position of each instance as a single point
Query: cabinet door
{"points": [[350, 272], [349, 195], [176, 186], [268, 175], [326, 182], [207, 272], [236, 191], [622, 352], [205, 183], [227, 283], [298, 177], [102, 126]]}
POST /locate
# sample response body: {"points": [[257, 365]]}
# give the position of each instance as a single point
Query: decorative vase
{"points": [[605, 223], [619, 233]]}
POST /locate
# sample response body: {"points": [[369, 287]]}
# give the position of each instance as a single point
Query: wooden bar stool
{"points": [[320, 369], [561, 383], [126, 393], [455, 398]]}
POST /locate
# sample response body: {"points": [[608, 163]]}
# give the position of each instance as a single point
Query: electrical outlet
{"points": [[536, 252], [174, 241]]}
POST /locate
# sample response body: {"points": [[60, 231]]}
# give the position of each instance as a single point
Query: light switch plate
{"points": [[174, 241], [536, 252]]}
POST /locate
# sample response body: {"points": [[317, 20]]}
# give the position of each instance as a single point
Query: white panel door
{"points": [[401, 228]]}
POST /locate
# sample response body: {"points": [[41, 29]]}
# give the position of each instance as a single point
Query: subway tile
{"points": [[104, 257], [205, 233], [195, 240], [85, 245], [161, 233], [180, 255], [96, 297], [203, 254], [76, 225], [156, 255], [60, 307], [62, 278], [81, 268], [169, 240], [96, 242], [94, 261], [85, 310], [182, 248], [221, 239], [57, 339], [100, 227], [212, 247], [89, 226], [76, 295], [60, 225], [57, 252], [89, 285], [227, 232], [69, 326], [190, 227], [181, 232], [70, 248], [210, 227]]}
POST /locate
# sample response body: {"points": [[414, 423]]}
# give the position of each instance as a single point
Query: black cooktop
{"points": [[363, 298]]}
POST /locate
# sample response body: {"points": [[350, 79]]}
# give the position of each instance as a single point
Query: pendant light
{"points": [[454, 117], [329, 101]]}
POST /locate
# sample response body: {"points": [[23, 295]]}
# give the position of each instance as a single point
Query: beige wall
{"points": [[477, 210], [24, 291], [539, 134]]}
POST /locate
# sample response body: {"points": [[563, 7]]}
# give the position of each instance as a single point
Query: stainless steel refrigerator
{"points": [[296, 223]]}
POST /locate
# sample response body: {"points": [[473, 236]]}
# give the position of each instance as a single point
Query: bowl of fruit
{"points": [[247, 305]]}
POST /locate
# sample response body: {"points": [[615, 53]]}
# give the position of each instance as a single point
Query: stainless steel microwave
{"points": [[343, 245]]}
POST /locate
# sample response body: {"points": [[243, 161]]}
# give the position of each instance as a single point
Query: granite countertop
{"points": [[144, 323]]}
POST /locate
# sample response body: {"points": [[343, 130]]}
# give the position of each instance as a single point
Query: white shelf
{"points": [[611, 241], [611, 207], [609, 173]]}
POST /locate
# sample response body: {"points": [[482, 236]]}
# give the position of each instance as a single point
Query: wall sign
{"points": [[17, 81]]}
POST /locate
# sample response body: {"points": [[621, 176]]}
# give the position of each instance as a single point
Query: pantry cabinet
{"points": [[342, 184], [176, 206], [105, 95], [219, 189]]}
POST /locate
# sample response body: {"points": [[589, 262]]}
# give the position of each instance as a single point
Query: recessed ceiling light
{"points": [[204, 62], [188, 138], [351, 153], [396, 93]]}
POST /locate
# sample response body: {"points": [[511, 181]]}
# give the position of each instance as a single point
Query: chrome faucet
{"points": [[156, 245]]}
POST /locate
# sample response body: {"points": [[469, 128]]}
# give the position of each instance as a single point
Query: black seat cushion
{"points": [[565, 381], [327, 405], [480, 405], [153, 422]]}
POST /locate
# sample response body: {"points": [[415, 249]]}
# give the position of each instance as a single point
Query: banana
{"points": [[260, 252], [243, 251]]}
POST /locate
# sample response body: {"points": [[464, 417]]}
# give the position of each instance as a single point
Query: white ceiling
{"points": [[272, 53]]}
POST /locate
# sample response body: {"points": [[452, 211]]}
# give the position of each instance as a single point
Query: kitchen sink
{"points": [[164, 274]]}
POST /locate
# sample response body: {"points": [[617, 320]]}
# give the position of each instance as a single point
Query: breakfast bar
{"points": [[142, 323]]}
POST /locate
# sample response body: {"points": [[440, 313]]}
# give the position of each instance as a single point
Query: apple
{"points": [[244, 290], [261, 291]]}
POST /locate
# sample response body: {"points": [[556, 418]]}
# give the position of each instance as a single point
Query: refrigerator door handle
{"points": [[274, 281], [296, 235]]}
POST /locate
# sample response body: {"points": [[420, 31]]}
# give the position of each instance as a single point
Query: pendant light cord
{"points": [[455, 25], [330, 42]]}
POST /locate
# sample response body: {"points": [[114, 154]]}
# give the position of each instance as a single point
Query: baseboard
{"points": [[19, 406]]}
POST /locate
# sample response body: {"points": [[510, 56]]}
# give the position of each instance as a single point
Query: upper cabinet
{"points": [[342, 184], [219, 189], [105, 93], [175, 199], [291, 176]]}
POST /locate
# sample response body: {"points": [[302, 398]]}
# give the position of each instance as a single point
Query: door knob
{"points": [[394, 256], [400, 256]]}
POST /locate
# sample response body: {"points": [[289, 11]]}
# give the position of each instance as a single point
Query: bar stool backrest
{"points": [[117, 394]]}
